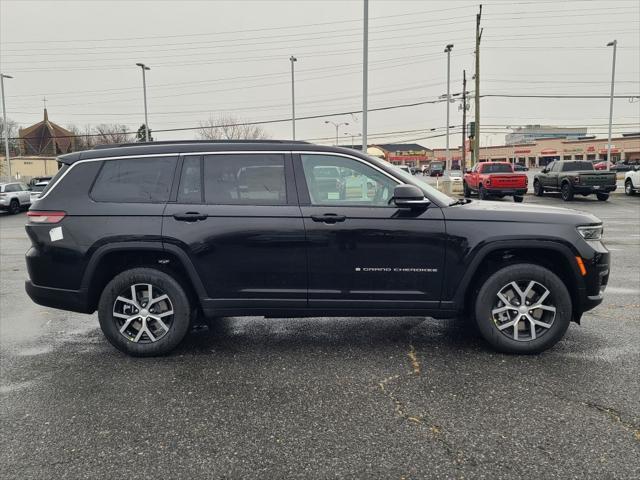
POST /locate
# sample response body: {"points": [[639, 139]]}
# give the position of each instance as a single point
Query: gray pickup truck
{"points": [[571, 177]]}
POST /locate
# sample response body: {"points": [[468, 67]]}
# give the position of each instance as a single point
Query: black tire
{"points": [[482, 193], [466, 190], [179, 322], [14, 207], [537, 188], [628, 187], [558, 296], [518, 198], [603, 197], [566, 191]]}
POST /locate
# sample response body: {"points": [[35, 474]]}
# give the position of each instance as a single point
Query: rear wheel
{"points": [[482, 193], [14, 207], [537, 188], [628, 187], [603, 197], [566, 192], [144, 312], [523, 308]]}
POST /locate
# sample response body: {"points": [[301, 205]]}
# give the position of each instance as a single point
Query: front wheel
{"points": [[144, 312], [523, 308], [14, 207], [603, 197], [466, 190], [566, 192], [518, 198], [628, 187], [482, 193]]}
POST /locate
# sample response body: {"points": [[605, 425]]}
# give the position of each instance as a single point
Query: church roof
{"points": [[45, 138]]}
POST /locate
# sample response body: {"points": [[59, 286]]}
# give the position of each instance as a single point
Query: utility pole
{"points": [[144, 91], [613, 44], [6, 127], [476, 138], [293, 59], [365, 74], [447, 50], [463, 167]]}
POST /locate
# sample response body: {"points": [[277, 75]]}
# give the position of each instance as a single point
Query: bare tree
{"points": [[228, 127], [111, 133], [83, 139], [13, 135]]}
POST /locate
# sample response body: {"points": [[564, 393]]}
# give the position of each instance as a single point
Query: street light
{"points": [[144, 91], [613, 44], [6, 127], [293, 59], [447, 50], [352, 136], [337, 125]]}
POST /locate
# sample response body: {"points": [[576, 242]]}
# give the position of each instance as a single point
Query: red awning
{"points": [[548, 152]]}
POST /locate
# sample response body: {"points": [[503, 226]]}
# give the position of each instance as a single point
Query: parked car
{"points": [[519, 167], [632, 181], [36, 190], [436, 169], [495, 179], [455, 176], [35, 180], [603, 165], [14, 196], [571, 177], [153, 236]]}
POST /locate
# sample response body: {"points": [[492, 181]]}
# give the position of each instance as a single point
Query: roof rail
{"points": [[190, 142]]}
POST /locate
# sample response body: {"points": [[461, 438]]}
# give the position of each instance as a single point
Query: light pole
{"points": [[352, 137], [293, 59], [144, 91], [6, 127], [613, 44], [365, 74], [337, 125], [447, 50]]}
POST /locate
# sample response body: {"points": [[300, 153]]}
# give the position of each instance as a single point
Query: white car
{"points": [[455, 176], [14, 196], [36, 190], [632, 181]]}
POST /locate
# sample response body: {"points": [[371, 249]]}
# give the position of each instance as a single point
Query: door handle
{"points": [[190, 216], [328, 218]]}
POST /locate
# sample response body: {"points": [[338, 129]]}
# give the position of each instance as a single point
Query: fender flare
{"points": [[484, 251], [98, 254]]}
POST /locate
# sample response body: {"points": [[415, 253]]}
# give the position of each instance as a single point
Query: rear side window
{"points": [[244, 179], [190, 189], [135, 180]]}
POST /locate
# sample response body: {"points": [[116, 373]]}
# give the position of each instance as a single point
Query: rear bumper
{"points": [[581, 189], [506, 191], [72, 300]]}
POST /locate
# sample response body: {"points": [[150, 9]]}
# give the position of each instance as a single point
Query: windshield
{"points": [[496, 168], [576, 166]]}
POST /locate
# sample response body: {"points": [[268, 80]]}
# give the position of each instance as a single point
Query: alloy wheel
{"points": [[523, 310], [143, 313]]}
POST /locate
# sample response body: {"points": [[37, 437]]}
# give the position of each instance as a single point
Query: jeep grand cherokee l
{"points": [[154, 235]]}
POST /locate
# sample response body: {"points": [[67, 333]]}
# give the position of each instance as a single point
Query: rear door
{"points": [[363, 252], [236, 216]]}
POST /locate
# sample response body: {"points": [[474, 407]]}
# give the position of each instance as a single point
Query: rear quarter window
{"points": [[135, 180]]}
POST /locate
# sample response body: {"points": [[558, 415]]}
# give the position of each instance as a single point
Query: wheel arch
{"points": [[554, 256], [111, 259]]}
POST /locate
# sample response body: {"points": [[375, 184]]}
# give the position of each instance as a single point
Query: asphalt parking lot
{"points": [[324, 398]]}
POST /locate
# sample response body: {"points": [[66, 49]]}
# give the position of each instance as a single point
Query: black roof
{"points": [[151, 148]]}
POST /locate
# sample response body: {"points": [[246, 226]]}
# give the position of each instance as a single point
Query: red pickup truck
{"points": [[497, 179]]}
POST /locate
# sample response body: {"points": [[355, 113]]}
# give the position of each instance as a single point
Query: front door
{"points": [[363, 252], [236, 215]]}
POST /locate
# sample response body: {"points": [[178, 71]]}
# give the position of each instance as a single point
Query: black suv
{"points": [[155, 235]]}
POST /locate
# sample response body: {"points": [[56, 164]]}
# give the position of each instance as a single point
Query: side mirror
{"points": [[545, 170], [409, 196]]}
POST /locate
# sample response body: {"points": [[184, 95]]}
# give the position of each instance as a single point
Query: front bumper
{"points": [[596, 280], [72, 300]]}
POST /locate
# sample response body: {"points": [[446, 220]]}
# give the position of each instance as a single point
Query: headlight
{"points": [[591, 232]]}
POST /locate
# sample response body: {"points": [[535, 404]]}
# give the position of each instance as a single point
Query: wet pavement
{"points": [[323, 398]]}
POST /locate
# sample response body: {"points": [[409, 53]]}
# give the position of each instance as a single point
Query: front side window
{"points": [[135, 180], [334, 180], [245, 179]]}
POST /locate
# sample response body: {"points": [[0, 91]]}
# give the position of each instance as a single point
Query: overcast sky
{"points": [[232, 57]]}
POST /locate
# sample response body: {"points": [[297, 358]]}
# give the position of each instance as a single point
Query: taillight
{"points": [[45, 217], [488, 182]]}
